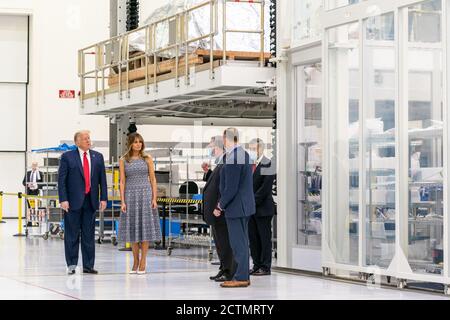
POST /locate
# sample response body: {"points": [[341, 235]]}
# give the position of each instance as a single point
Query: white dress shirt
{"points": [[33, 179], [259, 160], [88, 157]]}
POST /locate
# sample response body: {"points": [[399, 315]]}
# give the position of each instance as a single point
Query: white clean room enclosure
{"points": [[386, 142], [372, 121]]}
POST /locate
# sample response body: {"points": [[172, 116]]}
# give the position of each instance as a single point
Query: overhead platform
{"points": [[238, 90], [163, 77]]}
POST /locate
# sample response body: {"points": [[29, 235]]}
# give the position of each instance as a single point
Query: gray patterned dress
{"points": [[140, 222]]}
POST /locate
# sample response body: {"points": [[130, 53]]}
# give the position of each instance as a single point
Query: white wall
{"points": [[15, 6], [11, 175], [13, 97], [59, 29]]}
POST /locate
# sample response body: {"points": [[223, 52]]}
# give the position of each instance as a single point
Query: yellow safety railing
{"points": [[20, 196], [20, 208], [118, 51], [171, 200]]}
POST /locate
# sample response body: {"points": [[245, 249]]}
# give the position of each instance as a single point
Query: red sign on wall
{"points": [[67, 94]]}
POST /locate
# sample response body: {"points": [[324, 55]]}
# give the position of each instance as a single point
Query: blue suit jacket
{"points": [[71, 179], [236, 185]]}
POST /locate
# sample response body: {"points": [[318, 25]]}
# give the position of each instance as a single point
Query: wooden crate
{"points": [[164, 77], [198, 57], [233, 55], [139, 63], [163, 67]]}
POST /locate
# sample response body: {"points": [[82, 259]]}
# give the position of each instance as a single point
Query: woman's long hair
{"points": [[131, 139]]}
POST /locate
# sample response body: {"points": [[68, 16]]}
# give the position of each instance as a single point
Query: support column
{"points": [[287, 166], [118, 136], [118, 17]]}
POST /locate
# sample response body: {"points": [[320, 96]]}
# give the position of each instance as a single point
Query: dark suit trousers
{"points": [[238, 233], [80, 223], [260, 236], [224, 251]]}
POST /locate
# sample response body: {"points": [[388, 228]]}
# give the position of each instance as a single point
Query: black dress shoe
{"points": [[262, 273], [220, 274], [91, 271], [253, 271], [223, 278]]}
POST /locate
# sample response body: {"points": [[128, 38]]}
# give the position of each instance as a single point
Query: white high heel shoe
{"points": [[134, 271], [142, 272]]}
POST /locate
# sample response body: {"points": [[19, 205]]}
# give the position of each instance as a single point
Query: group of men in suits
{"points": [[239, 206]]}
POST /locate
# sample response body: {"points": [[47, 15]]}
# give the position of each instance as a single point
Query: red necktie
{"points": [[254, 168], [87, 176]]}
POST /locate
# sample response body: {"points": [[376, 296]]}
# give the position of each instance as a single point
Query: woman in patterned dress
{"points": [[139, 220]]}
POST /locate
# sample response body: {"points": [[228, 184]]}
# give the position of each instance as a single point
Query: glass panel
{"points": [[306, 20], [309, 106], [332, 4], [379, 136], [425, 22], [425, 116], [344, 87]]}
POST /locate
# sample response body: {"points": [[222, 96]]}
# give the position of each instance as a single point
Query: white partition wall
{"points": [[386, 158], [13, 102], [13, 48], [13, 106]]}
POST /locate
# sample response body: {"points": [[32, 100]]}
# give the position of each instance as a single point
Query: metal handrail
{"points": [[146, 27], [120, 59], [261, 31]]}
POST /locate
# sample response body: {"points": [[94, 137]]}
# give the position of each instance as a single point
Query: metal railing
{"points": [[113, 55]]}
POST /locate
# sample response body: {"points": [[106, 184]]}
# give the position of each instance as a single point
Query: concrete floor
{"points": [[33, 268]]}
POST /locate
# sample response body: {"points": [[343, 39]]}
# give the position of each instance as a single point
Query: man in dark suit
{"points": [[237, 203], [211, 196], [81, 180], [33, 180], [260, 225], [206, 171]]}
